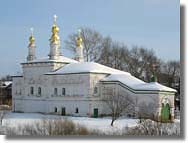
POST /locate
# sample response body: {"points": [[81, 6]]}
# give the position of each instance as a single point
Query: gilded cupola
{"points": [[79, 39], [31, 38], [55, 30]]}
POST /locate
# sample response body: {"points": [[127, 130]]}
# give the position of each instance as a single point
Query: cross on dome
{"points": [[79, 31], [55, 39], [31, 38], [55, 19], [79, 39], [31, 29]]}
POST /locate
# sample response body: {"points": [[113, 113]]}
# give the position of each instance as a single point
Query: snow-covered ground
{"points": [[99, 124]]}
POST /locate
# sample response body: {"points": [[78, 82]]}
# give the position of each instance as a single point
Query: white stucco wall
{"points": [[35, 69], [79, 92]]}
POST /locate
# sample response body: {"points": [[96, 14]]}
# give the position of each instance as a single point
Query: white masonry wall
{"points": [[79, 94], [152, 101]]}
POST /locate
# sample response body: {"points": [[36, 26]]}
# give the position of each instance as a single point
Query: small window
{"points": [[95, 90], [55, 109], [32, 90], [63, 91], [39, 91], [55, 91], [77, 111]]}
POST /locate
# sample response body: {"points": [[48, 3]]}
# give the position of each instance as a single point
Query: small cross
{"points": [[55, 19], [31, 31]]}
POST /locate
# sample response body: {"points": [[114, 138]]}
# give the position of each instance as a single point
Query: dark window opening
{"points": [[39, 90], [32, 90], [63, 111], [55, 109], [55, 91], [77, 111], [63, 91]]}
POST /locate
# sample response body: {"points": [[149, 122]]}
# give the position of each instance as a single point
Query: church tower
{"points": [[79, 47], [55, 46], [31, 47]]}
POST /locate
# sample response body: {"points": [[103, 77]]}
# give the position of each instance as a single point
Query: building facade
{"points": [[60, 85]]}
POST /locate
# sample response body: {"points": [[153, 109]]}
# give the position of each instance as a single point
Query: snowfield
{"points": [[122, 126], [95, 124]]}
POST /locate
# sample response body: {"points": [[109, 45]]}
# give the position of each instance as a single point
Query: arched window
{"points": [[31, 90], [39, 91]]}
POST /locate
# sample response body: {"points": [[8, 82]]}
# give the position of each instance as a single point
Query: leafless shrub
{"points": [[118, 104], [49, 127], [12, 131], [2, 115], [152, 128]]}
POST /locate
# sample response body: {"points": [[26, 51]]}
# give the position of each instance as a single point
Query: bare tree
{"points": [[144, 60], [2, 115], [6, 78], [118, 104], [92, 42], [119, 55], [105, 55], [3, 111], [152, 128], [171, 69]]}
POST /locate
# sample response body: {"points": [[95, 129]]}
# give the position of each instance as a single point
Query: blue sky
{"points": [[153, 24]]}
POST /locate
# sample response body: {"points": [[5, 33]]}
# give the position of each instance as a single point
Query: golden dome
{"points": [[31, 38], [79, 39], [55, 30]]}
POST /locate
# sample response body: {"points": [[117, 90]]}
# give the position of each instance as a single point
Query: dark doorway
{"points": [[63, 111], [95, 112]]}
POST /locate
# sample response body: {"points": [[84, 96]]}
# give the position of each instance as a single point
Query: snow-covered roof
{"points": [[17, 74], [154, 86], [6, 83], [114, 75], [86, 67], [124, 78], [46, 59], [136, 83]]}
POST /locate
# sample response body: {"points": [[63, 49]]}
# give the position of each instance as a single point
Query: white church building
{"points": [[60, 85]]}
